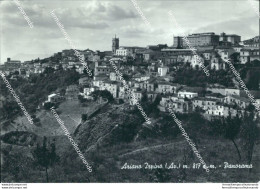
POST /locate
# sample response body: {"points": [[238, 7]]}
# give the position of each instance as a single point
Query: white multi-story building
{"points": [[111, 86], [231, 91], [186, 94], [102, 70], [196, 61], [167, 87], [222, 111], [122, 52], [217, 64], [186, 57], [244, 56], [88, 91], [162, 71], [114, 77], [242, 102], [207, 55], [176, 104], [97, 83], [204, 103], [237, 48], [122, 94], [225, 53], [145, 85], [138, 96]]}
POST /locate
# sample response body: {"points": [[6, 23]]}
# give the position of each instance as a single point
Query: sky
{"points": [[93, 23]]}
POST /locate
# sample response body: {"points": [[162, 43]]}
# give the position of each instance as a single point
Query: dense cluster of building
{"points": [[147, 70]]}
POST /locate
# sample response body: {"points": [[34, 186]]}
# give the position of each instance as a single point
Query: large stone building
{"points": [[197, 39], [170, 55], [232, 38], [157, 47], [178, 42], [252, 43], [202, 39], [115, 44], [12, 63]]}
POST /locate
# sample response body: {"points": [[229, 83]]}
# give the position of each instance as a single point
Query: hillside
{"points": [[116, 135]]}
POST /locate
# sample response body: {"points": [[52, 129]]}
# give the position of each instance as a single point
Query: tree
{"points": [[81, 99], [48, 70], [154, 110], [253, 79], [126, 77], [235, 57], [45, 156], [162, 175], [256, 63], [249, 133], [84, 117], [16, 73], [104, 94], [144, 98], [231, 130], [48, 105], [250, 108]]}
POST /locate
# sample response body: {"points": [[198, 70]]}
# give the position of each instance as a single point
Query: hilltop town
{"points": [[110, 131], [159, 70]]}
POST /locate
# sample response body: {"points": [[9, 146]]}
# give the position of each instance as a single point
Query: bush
{"points": [[84, 117], [104, 94], [48, 105]]}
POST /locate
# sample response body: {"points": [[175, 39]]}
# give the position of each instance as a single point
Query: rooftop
{"points": [[205, 99], [240, 98], [52, 95]]}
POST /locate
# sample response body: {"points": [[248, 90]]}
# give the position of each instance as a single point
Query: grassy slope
{"points": [[70, 115], [94, 136]]}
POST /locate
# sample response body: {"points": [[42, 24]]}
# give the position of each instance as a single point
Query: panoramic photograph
{"points": [[130, 91]]}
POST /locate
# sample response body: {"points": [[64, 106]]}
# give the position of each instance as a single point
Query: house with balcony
{"points": [[167, 87], [204, 103]]}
